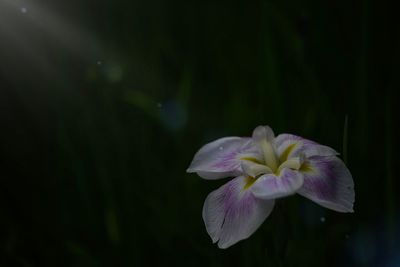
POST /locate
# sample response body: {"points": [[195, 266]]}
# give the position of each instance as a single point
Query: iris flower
{"points": [[265, 168]]}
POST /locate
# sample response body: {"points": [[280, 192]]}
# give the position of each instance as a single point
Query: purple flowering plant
{"points": [[266, 168]]}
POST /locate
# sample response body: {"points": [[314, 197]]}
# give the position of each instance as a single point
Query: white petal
{"points": [[263, 133], [221, 158], [231, 213], [328, 182], [270, 186], [289, 145]]}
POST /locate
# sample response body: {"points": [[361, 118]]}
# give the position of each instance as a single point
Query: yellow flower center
{"points": [[271, 162]]}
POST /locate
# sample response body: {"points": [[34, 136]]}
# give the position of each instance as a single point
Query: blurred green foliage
{"points": [[96, 137]]}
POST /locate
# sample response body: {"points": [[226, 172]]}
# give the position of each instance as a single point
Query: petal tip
{"points": [[263, 132], [223, 246], [214, 238], [349, 209], [343, 208]]}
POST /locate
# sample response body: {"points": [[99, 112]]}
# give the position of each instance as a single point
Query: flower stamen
{"points": [[254, 169], [269, 155], [293, 163]]}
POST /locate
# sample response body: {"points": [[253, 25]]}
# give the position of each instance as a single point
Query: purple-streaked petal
{"points": [[289, 145], [221, 158], [328, 182], [270, 186], [231, 213]]}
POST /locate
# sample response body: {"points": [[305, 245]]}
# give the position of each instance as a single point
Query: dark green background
{"points": [[104, 103]]}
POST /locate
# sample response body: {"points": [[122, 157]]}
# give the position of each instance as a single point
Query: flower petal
{"points": [[270, 186], [328, 182], [231, 213], [221, 158], [263, 133], [254, 169], [289, 145]]}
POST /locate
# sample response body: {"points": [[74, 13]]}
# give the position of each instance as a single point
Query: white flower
{"points": [[267, 167]]}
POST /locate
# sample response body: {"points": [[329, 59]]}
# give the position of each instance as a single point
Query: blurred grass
{"points": [[345, 138]]}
